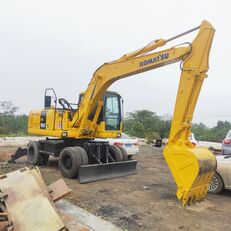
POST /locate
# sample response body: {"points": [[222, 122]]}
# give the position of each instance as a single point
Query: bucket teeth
{"points": [[193, 196]]}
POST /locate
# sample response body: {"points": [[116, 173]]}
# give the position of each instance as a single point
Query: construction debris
{"points": [[26, 203], [77, 216]]}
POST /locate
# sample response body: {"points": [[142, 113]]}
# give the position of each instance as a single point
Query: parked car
{"points": [[226, 144], [192, 139], [129, 144], [222, 177]]}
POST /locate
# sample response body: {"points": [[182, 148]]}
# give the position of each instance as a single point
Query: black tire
{"points": [[124, 153], [84, 156], [69, 162], [115, 153], [130, 157], [33, 155], [216, 185], [44, 158]]}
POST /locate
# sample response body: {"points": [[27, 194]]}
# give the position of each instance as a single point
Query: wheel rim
{"points": [[67, 162], [214, 184]]}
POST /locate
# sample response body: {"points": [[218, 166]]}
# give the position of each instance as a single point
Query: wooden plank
{"points": [[58, 190]]}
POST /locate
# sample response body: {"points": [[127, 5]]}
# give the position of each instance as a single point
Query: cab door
{"points": [[112, 111]]}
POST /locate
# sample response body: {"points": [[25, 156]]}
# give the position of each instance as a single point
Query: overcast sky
{"points": [[60, 44]]}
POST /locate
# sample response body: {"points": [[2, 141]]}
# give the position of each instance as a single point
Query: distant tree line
{"points": [[142, 124], [216, 133], [11, 124], [147, 124]]}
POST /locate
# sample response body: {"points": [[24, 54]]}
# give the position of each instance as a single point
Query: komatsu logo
{"points": [[158, 58]]}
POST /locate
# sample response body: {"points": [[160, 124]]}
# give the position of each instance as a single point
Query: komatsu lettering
{"points": [[158, 58]]}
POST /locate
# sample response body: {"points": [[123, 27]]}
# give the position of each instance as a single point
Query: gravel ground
{"points": [[142, 202]]}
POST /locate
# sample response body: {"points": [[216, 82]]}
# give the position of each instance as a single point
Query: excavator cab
{"points": [[111, 116]]}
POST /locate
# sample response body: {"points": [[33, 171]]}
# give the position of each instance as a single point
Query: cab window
{"points": [[112, 112]]}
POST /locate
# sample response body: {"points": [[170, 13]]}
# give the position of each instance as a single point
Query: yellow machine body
{"points": [[191, 167], [57, 123]]}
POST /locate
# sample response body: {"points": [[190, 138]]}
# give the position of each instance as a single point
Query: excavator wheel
{"points": [[125, 155], [69, 162], [33, 155], [116, 153], [84, 156]]}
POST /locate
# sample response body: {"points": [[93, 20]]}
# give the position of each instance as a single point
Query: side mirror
{"points": [[47, 101]]}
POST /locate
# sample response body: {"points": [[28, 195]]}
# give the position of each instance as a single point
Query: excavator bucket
{"points": [[96, 172], [192, 169]]}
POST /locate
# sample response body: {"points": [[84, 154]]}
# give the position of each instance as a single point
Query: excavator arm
{"points": [[108, 73], [192, 168]]}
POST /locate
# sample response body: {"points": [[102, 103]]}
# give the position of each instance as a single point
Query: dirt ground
{"points": [[143, 202]]}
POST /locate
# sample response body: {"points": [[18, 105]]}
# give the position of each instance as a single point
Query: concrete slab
{"points": [[78, 219]]}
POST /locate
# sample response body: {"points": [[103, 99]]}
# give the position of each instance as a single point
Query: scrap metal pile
{"points": [[26, 203]]}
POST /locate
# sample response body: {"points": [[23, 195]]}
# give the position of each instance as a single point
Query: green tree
{"points": [[9, 122], [216, 133], [138, 130], [144, 123], [7, 108]]}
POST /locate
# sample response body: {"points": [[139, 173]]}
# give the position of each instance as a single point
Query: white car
{"points": [[129, 144], [192, 139], [222, 177]]}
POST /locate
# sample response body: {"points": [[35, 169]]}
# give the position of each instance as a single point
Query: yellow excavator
{"points": [[98, 114]]}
